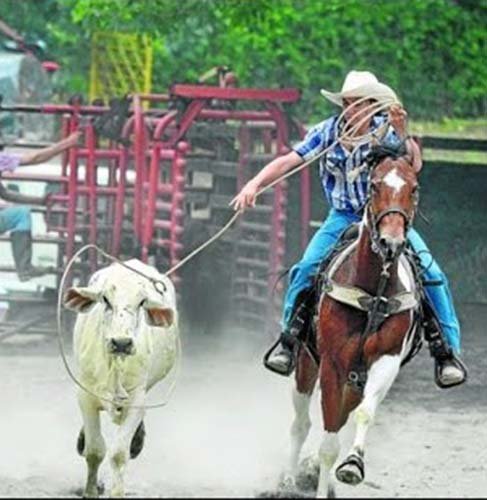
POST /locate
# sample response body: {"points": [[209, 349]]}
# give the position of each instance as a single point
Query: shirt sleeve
{"points": [[384, 132], [9, 162], [316, 140], [391, 136]]}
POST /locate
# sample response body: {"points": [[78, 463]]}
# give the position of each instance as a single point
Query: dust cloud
{"points": [[225, 430]]}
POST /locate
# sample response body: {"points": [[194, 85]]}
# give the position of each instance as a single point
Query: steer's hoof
{"points": [[137, 442], [80, 444], [351, 471]]}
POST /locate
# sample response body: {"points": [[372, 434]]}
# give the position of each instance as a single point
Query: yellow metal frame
{"points": [[121, 63]]}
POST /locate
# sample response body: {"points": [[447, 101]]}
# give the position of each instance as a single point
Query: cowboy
{"points": [[18, 220], [345, 185]]}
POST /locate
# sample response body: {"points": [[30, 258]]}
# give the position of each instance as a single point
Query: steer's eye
{"points": [[142, 303], [107, 303]]}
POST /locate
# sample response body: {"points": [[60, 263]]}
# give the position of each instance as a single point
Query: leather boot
{"points": [[284, 360], [449, 369], [22, 252]]}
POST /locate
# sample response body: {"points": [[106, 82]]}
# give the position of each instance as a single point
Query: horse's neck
{"points": [[368, 264]]}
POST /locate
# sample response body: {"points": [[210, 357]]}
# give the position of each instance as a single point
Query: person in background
{"points": [[18, 219]]}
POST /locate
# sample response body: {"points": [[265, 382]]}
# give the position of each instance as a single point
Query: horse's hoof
{"points": [[137, 442], [308, 474], [101, 488], [91, 493], [351, 471], [80, 444], [286, 484]]}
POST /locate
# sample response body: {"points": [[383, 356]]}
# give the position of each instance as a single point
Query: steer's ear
{"points": [[80, 299], [158, 315], [160, 306]]}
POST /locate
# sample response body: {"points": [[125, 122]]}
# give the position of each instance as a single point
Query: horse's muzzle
{"points": [[392, 246], [121, 346]]}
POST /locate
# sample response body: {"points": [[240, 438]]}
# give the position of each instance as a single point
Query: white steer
{"points": [[125, 340]]}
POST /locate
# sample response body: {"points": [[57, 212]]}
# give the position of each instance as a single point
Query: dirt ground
{"points": [[225, 431]]}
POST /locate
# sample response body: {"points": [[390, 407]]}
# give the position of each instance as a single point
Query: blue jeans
{"points": [[15, 219], [302, 274]]}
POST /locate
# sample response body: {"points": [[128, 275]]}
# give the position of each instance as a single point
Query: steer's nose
{"points": [[121, 345]]}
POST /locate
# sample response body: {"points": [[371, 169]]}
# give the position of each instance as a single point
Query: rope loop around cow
{"points": [[369, 111], [118, 404]]}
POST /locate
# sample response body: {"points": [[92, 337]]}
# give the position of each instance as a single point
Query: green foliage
{"points": [[432, 52]]}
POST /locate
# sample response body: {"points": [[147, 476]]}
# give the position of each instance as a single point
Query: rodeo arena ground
{"points": [[149, 182]]}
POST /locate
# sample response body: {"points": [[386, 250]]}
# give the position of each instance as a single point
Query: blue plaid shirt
{"points": [[344, 191]]}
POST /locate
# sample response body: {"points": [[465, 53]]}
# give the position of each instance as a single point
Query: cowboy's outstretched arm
{"points": [[45, 154], [273, 170]]}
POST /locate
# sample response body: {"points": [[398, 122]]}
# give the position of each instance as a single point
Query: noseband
{"points": [[375, 219]]}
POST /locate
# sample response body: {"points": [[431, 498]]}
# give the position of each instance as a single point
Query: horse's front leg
{"points": [[328, 454], [94, 445], [120, 453], [305, 380], [379, 380]]}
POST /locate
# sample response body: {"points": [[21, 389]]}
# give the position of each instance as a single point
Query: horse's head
{"points": [[393, 198]]}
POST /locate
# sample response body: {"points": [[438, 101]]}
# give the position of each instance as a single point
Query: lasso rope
{"points": [[375, 107], [347, 134]]}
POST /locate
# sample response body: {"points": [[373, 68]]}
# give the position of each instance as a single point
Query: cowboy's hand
{"points": [[73, 138], [398, 119], [246, 198]]}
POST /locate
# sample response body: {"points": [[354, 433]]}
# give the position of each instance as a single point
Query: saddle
{"points": [[418, 301]]}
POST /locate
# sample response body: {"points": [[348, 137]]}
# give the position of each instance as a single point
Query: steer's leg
{"points": [[121, 450], [379, 380], [94, 446]]}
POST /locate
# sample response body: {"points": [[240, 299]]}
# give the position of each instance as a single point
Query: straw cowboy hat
{"points": [[361, 84]]}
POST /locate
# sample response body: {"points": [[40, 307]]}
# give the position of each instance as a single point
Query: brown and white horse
{"points": [[364, 327]]}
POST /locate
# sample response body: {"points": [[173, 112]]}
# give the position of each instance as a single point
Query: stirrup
{"points": [[458, 364], [272, 368]]}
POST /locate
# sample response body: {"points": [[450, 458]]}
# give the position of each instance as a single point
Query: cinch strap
{"points": [[360, 299]]}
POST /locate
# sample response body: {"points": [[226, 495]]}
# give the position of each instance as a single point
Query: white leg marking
{"points": [[379, 380], [299, 428], [328, 454]]}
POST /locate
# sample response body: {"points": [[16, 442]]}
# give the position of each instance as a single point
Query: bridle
{"points": [[375, 219]]}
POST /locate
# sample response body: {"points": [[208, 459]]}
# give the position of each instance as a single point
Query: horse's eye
{"points": [[107, 303], [141, 303]]}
